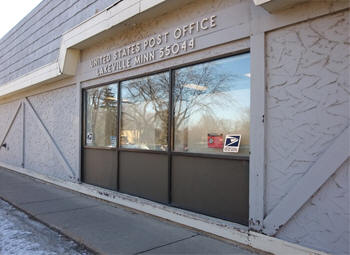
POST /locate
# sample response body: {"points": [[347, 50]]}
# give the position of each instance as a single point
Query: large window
{"points": [[179, 137], [145, 107], [211, 108], [101, 116], [212, 101]]}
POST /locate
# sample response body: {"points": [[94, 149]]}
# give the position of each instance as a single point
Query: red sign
{"points": [[215, 141]]}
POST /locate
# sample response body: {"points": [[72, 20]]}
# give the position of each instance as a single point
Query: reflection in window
{"points": [[145, 106], [101, 116], [212, 100]]}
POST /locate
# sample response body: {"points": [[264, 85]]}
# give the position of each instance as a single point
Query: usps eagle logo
{"points": [[232, 143]]}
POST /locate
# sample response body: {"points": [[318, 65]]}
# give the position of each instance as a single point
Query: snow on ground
{"points": [[21, 235]]}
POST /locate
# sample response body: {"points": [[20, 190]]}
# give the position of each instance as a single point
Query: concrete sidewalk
{"points": [[102, 227]]}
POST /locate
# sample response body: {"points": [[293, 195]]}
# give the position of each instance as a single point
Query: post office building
{"points": [[228, 116]]}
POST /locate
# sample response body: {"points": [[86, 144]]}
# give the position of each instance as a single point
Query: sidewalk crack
{"points": [[160, 246], [67, 210], [43, 201]]}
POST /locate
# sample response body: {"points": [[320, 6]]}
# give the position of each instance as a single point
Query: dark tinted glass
{"points": [[145, 106], [101, 116], [212, 103]]}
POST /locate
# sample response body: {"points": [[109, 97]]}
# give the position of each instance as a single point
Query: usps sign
{"points": [[232, 143], [89, 138]]}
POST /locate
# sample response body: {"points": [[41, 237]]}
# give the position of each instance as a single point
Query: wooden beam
{"points": [[23, 133], [317, 175], [11, 124], [50, 139], [79, 113], [257, 132], [277, 5]]}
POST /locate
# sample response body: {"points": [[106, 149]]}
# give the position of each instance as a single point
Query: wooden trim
{"points": [[46, 73], [11, 124], [69, 54], [50, 139], [257, 132], [318, 174], [208, 155], [23, 133], [79, 127], [142, 151], [105, 148], [277, 5]]}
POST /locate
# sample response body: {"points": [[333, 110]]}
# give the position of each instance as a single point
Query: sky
{"points": [[13, 11]]}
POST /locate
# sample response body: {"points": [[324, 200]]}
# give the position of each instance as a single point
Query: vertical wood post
{"points": [[23, 133], [79, 128], [257, 132]]}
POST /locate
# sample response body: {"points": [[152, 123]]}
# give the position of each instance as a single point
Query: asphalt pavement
{"points": [[103, 227]]}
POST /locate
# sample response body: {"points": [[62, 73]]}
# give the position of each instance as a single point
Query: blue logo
{"points": [[232, 143]]}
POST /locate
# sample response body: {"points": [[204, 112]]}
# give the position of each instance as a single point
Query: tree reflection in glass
{"points": [[145, 106], [101, 116], [212, 100]]}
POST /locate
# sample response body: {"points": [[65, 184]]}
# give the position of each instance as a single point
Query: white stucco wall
{"points": [[51, 133], [323, 222], [166, 23], [57, 111], [307, 108], [13, 153]]}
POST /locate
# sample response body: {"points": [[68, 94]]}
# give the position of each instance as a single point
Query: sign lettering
{"points": [[161, 46]]}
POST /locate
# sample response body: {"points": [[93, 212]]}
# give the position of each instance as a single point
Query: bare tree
{"points": [[198, 89], [145, 107], [102, 103]]}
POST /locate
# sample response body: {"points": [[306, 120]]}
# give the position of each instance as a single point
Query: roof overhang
{"points": [[103, 24], [277, 5], [85, 34]]}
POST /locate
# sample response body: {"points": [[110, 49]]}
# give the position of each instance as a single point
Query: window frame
{"points": [[202, 154], [171, 129], [84, 118], [120, 117]]}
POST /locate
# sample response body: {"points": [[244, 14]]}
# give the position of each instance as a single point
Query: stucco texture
{"points": [[307, 108], [57, 111], [166, 23], [12, 154]]}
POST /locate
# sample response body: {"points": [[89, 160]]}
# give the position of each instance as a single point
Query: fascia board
{"points": [[118, 16], [43, 74], [69, 52], [260, 2], [147, 4], [86, 29], [276, 5]]}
